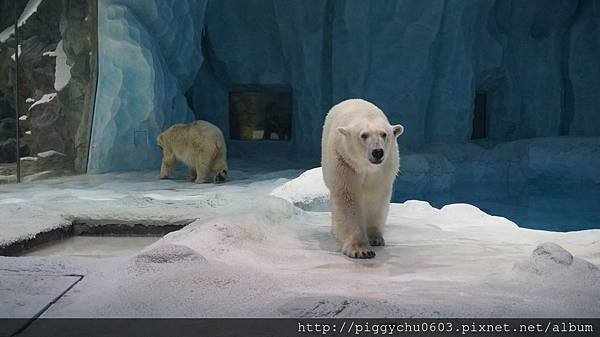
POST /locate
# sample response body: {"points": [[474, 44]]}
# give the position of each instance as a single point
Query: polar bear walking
{"points": [[360, 160], [199, 145]]}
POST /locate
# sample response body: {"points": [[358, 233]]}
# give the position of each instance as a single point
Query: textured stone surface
{"points": [[35, 292], [41, 166], [8, 151], [169, 253]]}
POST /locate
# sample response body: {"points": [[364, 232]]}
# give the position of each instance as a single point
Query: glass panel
{"points": [[56, 83], [8, 119]]}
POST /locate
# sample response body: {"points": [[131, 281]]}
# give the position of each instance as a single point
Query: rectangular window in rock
{"points": [[260, 114], [480, 117]]}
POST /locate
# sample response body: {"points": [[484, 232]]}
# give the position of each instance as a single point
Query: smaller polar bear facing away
{"points": [[360, 160], [199, 145]]}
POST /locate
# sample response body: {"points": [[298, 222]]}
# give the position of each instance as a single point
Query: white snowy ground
{"points": [[249, 253]]}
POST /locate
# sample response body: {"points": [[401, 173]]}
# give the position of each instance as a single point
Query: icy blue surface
{"points": [[149, 53]]}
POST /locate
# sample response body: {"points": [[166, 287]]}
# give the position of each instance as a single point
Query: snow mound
{"points": [[552, 260], [166, 258], [169, 253], [262, 237], [466, 215], [308, 191]]}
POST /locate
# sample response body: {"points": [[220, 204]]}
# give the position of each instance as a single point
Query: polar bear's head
{"points": [[370, 141]]}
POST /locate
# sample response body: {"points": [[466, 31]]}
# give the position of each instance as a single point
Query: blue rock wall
{"points": [[582, 67], [268, 43], [421, 61]]}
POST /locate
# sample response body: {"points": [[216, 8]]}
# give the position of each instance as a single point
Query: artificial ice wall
{"points": [[422, 62], [149, 54]]}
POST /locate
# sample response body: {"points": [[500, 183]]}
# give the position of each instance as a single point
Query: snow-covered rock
{"points": [[168, 253], [308, 191], [553, 261], [46, 98], [62, 74]]}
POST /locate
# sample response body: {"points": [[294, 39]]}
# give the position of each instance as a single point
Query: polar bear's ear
{"points": [[398, 130], [343, 130]]}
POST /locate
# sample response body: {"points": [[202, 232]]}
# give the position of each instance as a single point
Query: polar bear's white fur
{"points": [[199, 145], [359, 155]]}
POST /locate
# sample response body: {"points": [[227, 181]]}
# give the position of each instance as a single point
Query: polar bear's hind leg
{"points": [[202, 171], [168, 163], [192, 175]]}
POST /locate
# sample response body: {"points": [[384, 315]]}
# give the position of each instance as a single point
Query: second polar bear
{"points": [[199, 145], [360, 160]]}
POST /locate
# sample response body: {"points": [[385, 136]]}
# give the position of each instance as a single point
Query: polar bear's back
{"points": [[206, 130], [349, 110], [196, 131], [188, 141]]}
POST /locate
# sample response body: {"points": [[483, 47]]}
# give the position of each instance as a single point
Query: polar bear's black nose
{"points": [[377, 154]]}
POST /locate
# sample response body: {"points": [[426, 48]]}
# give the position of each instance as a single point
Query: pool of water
{"points": [[543, 206], [93, 246]]}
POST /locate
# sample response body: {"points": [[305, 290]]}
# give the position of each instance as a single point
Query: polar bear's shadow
{"points": [[330, 245], [321, 237]]}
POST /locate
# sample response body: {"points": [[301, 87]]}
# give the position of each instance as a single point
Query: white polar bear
{"points": [[199, 145], [360, 160]]}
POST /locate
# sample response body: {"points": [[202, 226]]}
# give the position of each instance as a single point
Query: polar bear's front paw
{"points": [[358, 251], [376, 240]]}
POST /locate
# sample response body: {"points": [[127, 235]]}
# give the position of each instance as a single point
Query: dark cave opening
{"points": [[480, 127]]}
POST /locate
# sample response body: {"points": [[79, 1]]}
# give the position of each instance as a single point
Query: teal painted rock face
{"points": [[163, 62]]}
